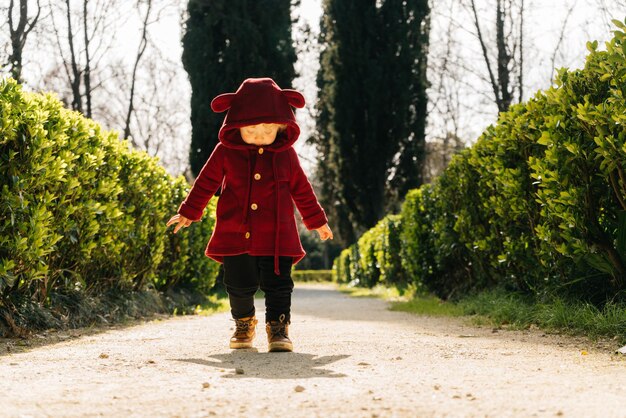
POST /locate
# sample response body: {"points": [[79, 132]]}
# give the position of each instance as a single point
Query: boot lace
{"points": [[242, 326], [279, 329]]}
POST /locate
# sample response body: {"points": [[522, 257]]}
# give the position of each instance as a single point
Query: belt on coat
{"points": [[277, 229], [277, 233]]}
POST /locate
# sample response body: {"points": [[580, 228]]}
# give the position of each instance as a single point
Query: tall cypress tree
{"points": [[372, 107], [225, 42]]}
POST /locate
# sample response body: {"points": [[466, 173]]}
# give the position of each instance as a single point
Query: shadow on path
{"points": [[270, 365]]}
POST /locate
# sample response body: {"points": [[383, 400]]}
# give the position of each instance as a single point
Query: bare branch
{"points": [[140, 52], [570, 10], [18, 35], [87, 72], [521, 53], [77, 102], [494, 85]]}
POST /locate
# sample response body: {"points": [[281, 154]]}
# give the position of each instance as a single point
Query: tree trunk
{"points": [[77, 100], [18, 36], [142, 48], [87, 73]]}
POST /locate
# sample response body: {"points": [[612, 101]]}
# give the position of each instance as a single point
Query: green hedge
{"points": [[537, 204], [81, 211], [312, 275]]}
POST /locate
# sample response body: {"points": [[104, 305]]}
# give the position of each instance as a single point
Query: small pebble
{"points": [[206, 385], [239, 370], [104, 355], [151, 361], [299, 388]]}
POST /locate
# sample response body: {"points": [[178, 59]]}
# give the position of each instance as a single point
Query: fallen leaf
{"points": [[622, 350], [363, 364], [584, 353]]}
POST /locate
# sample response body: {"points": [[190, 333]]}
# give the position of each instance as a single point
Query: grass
{"points": [[378, 291], [554, 314], [503, 309], [216, 302], [428, 305]]}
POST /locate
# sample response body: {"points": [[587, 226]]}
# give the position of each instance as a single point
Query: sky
{"points": [[543, 25]]}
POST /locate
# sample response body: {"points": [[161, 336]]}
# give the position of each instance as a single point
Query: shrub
{"points": [[537, 205], [80, 210], [312, 275]]}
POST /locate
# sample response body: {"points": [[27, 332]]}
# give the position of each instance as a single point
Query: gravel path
{"points": [[353, 358]]}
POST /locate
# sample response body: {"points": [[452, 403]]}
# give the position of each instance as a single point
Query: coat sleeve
{"points": [[303, 195], [205, 186]]}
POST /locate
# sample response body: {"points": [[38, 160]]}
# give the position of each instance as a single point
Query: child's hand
{"points": [[182, 222], [325, 232]]}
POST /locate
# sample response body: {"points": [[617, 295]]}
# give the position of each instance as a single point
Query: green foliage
{"points": [[375, 259], [554, 313], [80, 211], [427, 305], [224, 43], [537, 205], [312, 275]]}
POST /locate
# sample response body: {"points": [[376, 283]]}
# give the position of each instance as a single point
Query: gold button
{"points": [[261, 150], [257, 176], [254, 206], [247, 235]]}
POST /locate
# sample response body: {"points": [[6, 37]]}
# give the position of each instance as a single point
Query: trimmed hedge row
{"points": [[81, 211], [312, 275], [537, 204]]}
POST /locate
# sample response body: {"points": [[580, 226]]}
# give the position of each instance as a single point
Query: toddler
{"points": [[255, 234]]}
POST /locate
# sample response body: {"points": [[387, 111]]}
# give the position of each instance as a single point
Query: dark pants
{"points": [[244, 274]]}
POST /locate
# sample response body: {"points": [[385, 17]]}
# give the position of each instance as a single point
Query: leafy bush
{"points": [[79, 210], [312, 275], [537, 205]]}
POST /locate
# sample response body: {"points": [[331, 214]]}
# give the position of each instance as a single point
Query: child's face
{"points": [[261, 134]]}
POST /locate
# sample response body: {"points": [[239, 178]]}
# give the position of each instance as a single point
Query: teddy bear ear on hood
{"points": [[222, 102], [294, 98]]}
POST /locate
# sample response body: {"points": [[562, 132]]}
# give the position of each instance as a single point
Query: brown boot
{"points": [[244, 333], [278, 335]]}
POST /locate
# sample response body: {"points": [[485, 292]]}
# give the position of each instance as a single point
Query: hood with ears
{"points": [[258, 100]]}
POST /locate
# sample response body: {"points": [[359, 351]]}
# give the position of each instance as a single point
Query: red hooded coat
{"points": [[255, 212]]}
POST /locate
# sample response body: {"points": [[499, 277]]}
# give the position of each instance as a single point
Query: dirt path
{"points": [[353, 358]]}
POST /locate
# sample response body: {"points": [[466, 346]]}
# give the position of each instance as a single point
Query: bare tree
{"points": [[509, 50], [559, 42], [80, 57], [446, 72], [140, 51], [18, 33]]}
